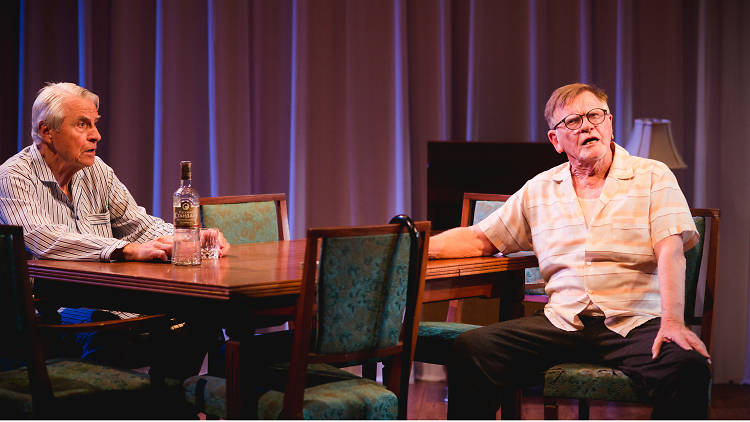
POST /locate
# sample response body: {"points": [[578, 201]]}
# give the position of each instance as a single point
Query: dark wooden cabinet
{"points": [[455, 167]]}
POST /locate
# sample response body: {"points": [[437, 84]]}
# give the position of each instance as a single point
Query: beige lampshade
{"points": [[652, 138]]}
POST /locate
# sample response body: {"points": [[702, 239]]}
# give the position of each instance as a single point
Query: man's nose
{"points": [[94, 135], [587, 125]]}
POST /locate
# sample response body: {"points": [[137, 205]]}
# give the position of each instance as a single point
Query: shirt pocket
{"points": [[99, 224]]}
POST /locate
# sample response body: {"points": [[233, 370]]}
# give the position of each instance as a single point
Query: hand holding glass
{"points": [[210, 244]]}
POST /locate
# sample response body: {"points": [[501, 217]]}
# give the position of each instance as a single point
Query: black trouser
{"points": [[176, 353], [500, 357]]}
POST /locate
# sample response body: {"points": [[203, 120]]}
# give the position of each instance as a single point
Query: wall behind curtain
{"points": [[333, 101]]}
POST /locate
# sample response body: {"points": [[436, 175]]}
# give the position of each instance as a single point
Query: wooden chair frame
{"points": [[396, 374], [469, 203], [278, 198]]}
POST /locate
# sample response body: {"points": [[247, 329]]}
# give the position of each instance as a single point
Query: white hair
{"points": [[48, 108]]}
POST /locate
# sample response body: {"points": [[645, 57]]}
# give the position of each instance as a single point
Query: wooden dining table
{"points": [[256, 272], [253, 283]]}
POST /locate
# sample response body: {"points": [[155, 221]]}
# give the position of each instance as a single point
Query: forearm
{"points": [[54, 243], [461, 242], [48, 240], [671, 273], [671, 262]]}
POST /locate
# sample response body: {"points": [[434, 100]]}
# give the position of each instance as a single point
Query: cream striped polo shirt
{"points": [[612, 263]]}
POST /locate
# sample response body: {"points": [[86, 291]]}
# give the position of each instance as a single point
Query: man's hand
{"points": [[677, 332], [160, 248], [218, 236]]}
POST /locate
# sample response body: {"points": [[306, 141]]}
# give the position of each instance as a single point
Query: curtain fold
{"points": [[333, 101]]}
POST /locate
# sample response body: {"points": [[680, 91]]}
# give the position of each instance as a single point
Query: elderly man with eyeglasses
{"points": [[609, 230]]}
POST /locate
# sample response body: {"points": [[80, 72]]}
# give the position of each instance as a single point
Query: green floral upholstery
{"points": [[482, 209], [352, 399], [72, 380], [433, 338], [354, 311], [207, 393], [693, 259], [244, 222], [587, 381]]}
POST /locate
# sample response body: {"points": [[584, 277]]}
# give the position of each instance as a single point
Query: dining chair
{"points": [[585, 382], [435, 337], [59, 388], [247, 218], [359, 300]]}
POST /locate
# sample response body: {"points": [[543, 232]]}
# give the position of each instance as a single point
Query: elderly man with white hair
{"points": [[72, 206]]}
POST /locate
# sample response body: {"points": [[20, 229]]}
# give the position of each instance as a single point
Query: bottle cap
{"points": [[186, 170]]}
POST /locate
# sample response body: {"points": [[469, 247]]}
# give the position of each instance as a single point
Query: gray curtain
{"points": [[333, 101]]}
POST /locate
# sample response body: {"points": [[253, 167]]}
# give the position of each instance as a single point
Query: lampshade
{"points": [[652, 138]]}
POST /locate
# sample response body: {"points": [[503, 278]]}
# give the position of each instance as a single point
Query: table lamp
{"points": [[652, 138]]}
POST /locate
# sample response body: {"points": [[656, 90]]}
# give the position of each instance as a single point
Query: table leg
{"points": [[511, 295]]}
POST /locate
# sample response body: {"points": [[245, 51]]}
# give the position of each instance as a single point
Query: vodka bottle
{"points": [[187, 232]]}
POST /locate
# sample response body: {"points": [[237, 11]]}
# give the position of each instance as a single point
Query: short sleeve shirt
{"points": [[611, 263]]}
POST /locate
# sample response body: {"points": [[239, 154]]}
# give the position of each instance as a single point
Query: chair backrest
{"points": [[705, 218], [359, 303], [477, 206], [247, 218], [21, 341]]}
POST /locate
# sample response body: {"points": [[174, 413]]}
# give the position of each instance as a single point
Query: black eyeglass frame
{"points": [[604, 116]]}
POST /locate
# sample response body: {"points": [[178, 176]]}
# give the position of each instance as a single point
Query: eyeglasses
{"points": [[575, 121]]}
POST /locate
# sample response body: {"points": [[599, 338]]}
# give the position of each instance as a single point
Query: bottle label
{"points": [[186, 216]]}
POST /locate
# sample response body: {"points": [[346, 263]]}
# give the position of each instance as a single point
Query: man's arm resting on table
{"points": [[157, 249], [671, 270], [461, 242]]}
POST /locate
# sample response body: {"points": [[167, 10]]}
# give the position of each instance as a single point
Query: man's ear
{"points": [[45, 132], [552, 136]]}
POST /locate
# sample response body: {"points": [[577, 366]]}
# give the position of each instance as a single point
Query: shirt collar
{"points": [[40, 166], [620, 168], [44, 172]]}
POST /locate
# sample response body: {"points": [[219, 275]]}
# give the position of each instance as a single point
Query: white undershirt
{"points": [[588, 205]]}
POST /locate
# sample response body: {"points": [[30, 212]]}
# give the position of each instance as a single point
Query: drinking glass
{"points": [[210, 244]]}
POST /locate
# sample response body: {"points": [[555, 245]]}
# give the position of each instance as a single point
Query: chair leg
{"points": [[583, 409], [233, 376], [510, 404], [370, 370], [550, 408]]}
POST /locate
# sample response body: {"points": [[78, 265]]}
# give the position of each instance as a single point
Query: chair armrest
{"points": [[118, 324]]}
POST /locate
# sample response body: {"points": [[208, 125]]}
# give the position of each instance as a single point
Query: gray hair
{"points": [[48, 108], [565, 94]]}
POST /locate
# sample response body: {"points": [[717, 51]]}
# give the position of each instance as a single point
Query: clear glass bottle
{"points": [[187, 231]]}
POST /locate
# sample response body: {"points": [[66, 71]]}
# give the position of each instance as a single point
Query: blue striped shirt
{"points": [[102, 216]]}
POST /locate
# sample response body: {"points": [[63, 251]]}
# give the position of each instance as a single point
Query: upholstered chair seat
{"points": [[75, 383], [589, 381]]}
